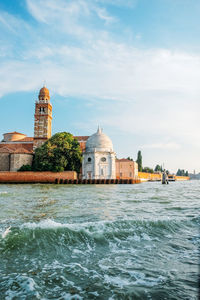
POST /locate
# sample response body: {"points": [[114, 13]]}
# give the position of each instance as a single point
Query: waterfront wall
{"points": [[157, 177], [69, 177], [149, 177], [36, 177], [182, 178]]}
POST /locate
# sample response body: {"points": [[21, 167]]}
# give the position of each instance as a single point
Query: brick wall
{"points": [[126, 169], [35, 177]]}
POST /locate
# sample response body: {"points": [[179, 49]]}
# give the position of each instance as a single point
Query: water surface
{"points": [[99, 241]]}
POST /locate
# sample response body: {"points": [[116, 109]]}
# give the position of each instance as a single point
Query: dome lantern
{"points": [[44, 94]]}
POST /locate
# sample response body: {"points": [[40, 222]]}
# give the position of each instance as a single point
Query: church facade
{"points": [[99, 158]]}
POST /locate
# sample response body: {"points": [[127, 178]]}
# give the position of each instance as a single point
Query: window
{"points": [[103, 159], [120, 174], [101, 171], [42, 110], [130, 174], [89, 159]]}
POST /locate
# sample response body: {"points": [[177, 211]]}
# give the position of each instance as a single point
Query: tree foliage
{"points": [[129, 158], [61, 152], [147, 170], [25, 168], [182, 172], [139, 161], [158, 168]]}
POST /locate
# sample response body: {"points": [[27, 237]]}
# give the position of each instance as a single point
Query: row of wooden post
{"points": [[96, 181]]}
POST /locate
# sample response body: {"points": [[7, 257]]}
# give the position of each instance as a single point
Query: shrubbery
{"points": [[25, 168]]}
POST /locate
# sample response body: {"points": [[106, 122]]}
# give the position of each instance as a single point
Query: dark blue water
{"points": [[99, 242]]}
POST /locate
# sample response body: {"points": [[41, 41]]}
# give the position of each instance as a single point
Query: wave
{"points": [[48, 233]]}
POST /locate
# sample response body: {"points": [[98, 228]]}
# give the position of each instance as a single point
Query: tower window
{"points": [[42, 109], [89, 159]]}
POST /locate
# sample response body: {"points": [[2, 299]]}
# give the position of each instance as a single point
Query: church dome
{"points": [[44, 92], [99, 142]]}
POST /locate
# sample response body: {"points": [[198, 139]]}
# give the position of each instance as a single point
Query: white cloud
{"points": [[162, 146]]}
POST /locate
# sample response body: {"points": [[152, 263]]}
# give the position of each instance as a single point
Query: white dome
{"points": [[99, 142]]}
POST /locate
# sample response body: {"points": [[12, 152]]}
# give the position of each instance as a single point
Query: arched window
{"points": [[103, 159]]}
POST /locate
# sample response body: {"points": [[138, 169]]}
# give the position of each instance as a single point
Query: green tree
{"points": [[129, 158], [25, 168], [139, 161], [147, 170], [181, 173], [158, 168], [61, 152]]}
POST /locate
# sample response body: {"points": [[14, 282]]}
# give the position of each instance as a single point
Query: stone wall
{"points": [[36, 177], [18, 159], [4, 161]]}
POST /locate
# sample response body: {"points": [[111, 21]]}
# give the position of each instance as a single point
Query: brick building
{"points": [[126, 169]]}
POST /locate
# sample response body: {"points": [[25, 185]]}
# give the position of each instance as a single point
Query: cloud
{"points": [[162, 146], [152, 92]]}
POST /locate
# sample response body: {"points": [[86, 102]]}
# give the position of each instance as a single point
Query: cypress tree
{"points": [[139, 161]]}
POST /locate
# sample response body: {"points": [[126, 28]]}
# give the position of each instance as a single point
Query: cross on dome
{"points": [[99, 130]]}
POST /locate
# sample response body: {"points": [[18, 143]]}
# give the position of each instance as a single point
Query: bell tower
{"points": [[42, 118]]}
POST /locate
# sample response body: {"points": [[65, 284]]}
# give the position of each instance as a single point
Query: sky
{"points": [[130, 66]]}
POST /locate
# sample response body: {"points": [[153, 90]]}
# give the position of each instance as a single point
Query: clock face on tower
{"points": [[103, 159]]}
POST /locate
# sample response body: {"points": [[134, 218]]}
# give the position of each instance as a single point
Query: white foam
{"points": [[27, 287], [44, 224], [68, 296], [6, 232], [117, 281]]}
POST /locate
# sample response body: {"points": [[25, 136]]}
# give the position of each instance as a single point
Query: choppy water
{"points": [[99, 242]]}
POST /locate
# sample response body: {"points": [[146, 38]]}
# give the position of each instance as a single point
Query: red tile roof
{"points": [[22, 150], [5, 150], [124, 160], [16, 148], [14, 132], [81, 138]]}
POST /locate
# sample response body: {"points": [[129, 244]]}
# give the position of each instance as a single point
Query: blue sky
{"points": [[131, 66]]}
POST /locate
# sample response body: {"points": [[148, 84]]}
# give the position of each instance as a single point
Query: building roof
{"points": [[99, 141], [14, 132], [82, 138], [22, 150], [44, 92], [5, 150], [124, 160], [16, 148]]}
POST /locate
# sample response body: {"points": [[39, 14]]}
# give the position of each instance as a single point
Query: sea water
{"points": [[99, 241]]}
